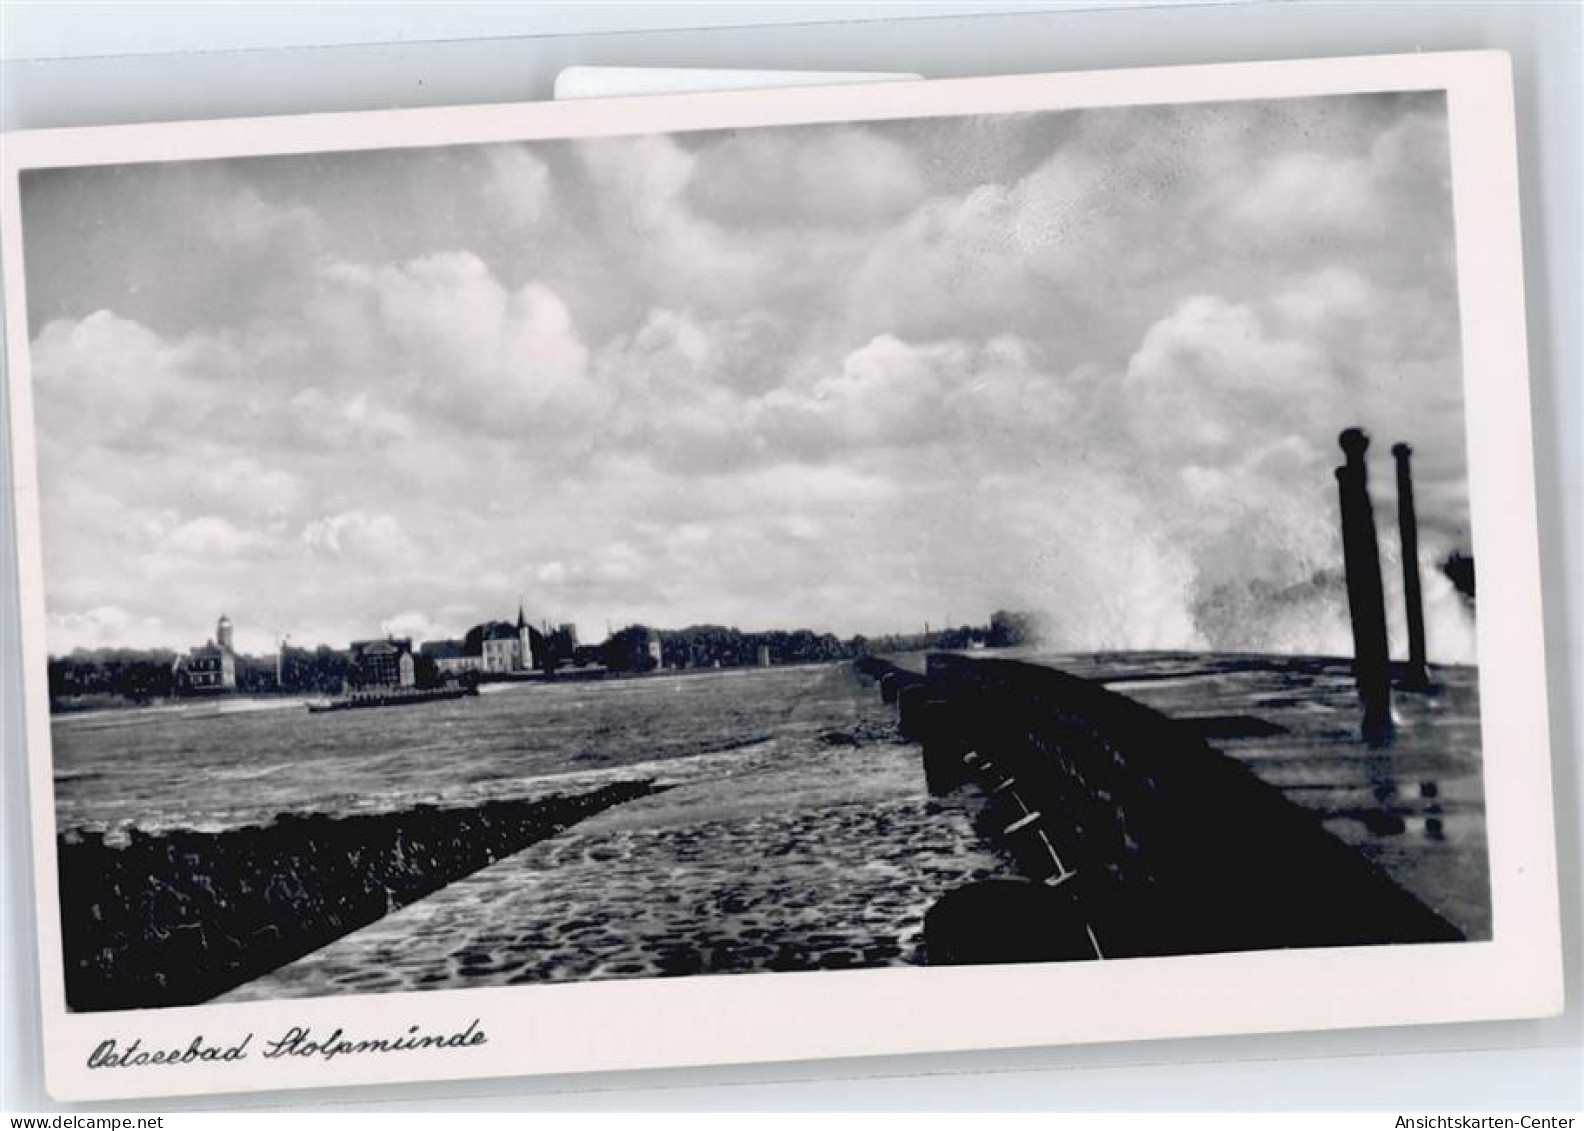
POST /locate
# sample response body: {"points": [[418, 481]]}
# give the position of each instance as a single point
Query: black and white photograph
{"points": [[1034, 537]]}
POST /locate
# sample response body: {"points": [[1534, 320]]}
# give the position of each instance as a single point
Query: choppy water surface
{"points": [[200, 767], [795, 832]]}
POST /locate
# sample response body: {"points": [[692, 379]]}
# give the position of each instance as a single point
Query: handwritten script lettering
{"points": [[298, 1041]]}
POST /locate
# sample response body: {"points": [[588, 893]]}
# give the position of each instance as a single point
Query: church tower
{"points": [[524, 640]]}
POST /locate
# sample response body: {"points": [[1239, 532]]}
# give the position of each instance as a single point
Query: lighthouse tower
{"points": [[223, 633]]}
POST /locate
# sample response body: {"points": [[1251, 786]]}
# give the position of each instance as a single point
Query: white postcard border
{"points": [[667, 1022]]}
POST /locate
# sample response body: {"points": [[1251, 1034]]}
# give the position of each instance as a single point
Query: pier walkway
{"points": [[1414, 808], [816, 848], [820, 847]]}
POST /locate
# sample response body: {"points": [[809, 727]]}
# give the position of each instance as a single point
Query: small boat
{"points": [[390, 697]]}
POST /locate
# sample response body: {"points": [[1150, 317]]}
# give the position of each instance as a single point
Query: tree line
{"points": [[88, 677], [717, 646], [147, 675]]}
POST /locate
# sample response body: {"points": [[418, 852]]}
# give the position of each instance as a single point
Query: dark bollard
{"points": [[943, 768], [1417, 677], [889, 685], [912, 701], [938, 728], [1366, 600], [1005, 921]]}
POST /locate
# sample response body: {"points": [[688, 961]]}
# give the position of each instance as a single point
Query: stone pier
{"points": [[1135, 836]]}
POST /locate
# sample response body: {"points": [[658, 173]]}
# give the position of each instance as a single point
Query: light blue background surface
{"points": [[69, 64]]}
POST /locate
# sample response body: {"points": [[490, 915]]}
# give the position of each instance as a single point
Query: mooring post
{"points": [[943, 745], [1417, 676], [912, 705], [1366, 600]]}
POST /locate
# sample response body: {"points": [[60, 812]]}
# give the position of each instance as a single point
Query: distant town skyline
{"points": [[845, 377], [256, 642]]}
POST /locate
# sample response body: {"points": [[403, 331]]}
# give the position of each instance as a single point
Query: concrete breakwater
{"points": [[1134, 836], [179, 917]]}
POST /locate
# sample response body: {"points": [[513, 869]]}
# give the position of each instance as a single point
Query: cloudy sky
{"points": [[852, 378]]}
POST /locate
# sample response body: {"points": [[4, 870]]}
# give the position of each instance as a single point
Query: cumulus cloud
{"points": [[354, 420], [246, 222], [354, 532], [111, 380], [850, 377], [239, 482], [518, 183], [1209, 352], [107, 626], [210, 536], [443, 332], [414, 625]]}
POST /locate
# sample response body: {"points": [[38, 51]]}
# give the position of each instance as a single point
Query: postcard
{"points": [[784, 574]]}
